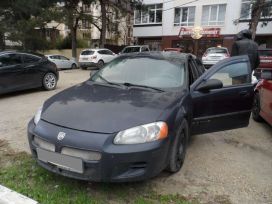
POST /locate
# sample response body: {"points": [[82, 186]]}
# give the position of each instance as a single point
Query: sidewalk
{"points": [[8, 196]]}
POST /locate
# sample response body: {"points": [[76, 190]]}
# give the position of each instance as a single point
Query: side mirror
{"points": [[93, 72], [210, 84], [267, 75]]}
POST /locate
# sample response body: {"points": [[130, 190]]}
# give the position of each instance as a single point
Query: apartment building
{"points": [[196, 25]]}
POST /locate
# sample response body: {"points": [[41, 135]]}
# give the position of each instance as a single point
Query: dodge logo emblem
{"points": [[61, 135]]}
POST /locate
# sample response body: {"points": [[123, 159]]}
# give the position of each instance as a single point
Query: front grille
{"points": [[43, 144], [83, 154]]}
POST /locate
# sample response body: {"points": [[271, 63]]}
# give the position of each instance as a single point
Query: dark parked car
{"points": [[262, 108], [19, 71], [133, 118]]}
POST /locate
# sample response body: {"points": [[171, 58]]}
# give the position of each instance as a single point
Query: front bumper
{"points": [[118, 163]]}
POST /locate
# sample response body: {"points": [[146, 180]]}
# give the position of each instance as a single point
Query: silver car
{"points": [[214, 55], [62, 62]]}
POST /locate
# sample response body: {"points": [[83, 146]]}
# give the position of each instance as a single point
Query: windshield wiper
{"points": [[108, 82], [142, 86]]}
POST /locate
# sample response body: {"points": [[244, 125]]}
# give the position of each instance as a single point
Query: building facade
{"points": [[197, 25]]}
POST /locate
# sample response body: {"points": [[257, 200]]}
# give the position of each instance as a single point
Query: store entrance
{"points": [[197, 47]]}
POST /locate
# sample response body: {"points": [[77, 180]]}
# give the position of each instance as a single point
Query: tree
{"points": [[71, 15], [20, 18], [258, 8], [107, 7]]}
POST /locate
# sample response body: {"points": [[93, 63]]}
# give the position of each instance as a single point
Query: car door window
{"points": [[102, 52], [108, 52], [145, 49], [30, 58], [10, 59], [63, 58], [233, 74]]}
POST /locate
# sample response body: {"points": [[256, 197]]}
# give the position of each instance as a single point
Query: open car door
{"points": [[223, 96]]}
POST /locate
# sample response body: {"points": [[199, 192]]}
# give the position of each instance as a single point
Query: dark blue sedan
{"points": [[133, 118]]}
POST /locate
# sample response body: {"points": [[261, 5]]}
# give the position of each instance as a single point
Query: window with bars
{"points": [[246, 9], [151, 15], [213, 14], [184, 16]]}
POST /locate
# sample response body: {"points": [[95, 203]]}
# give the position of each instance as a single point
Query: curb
{"points": [[8, 196]]}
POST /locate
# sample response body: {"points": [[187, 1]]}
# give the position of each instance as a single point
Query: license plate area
{"points": [[62, 161]]}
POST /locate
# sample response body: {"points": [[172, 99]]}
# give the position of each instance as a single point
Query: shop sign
{"points": [[198, 32]]}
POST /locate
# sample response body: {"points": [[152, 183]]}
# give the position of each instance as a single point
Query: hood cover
{"points": [[105, 109]]}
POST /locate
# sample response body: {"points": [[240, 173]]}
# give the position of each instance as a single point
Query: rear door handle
{"points": [[244, 93]]}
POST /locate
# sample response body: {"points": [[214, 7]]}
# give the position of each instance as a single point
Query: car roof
{"points": [[95, 49], [217, 48], [21, 52], [137, 46]]}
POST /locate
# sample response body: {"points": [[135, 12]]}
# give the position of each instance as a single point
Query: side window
{"points": [[30, 58], [63, 58], [145, 49], [10, 59], [101, 52], [233, 74], [108, 52]]}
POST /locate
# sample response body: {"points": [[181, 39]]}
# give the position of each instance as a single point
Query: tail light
{"points": [[93, 57], [205, 54], [227, 55]]}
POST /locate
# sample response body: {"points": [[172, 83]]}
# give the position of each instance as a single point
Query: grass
{"points": [[20, 172]]}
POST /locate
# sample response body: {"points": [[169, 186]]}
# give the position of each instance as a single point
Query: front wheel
{"points": [[74, 66], [49, 81], [100, 64], [178, 149]]}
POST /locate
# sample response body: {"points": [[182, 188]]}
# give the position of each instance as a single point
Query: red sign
{"points": [[200, 32]]}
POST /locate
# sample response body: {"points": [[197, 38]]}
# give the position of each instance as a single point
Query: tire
{"points": [[49, 81], [74, 66], [100, 64], [256, 108], [83, 68], [178, 149]]}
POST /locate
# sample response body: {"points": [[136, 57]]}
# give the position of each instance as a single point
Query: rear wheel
{"points": [[74, 66], [100, 64], [178, 150], [256, 108], [49, 81]]}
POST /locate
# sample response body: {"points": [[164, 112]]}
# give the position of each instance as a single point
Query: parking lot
{"points": [[225, 167]]}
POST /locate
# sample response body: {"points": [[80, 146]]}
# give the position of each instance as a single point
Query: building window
{"points": [[184, 16], [152, 14], [86, 24], [213, 14], [246, 9]]}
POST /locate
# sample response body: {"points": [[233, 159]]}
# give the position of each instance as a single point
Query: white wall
{"points": [[168, 29]]}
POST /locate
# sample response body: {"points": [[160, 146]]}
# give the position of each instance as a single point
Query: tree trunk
{"points": [[2, 41], [74, 42], [256, 12], [104, 24]]}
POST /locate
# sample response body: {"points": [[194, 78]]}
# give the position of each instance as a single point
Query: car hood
{"points": [[106, 109]]}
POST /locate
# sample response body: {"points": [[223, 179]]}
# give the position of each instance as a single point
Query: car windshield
{"points": [[131, 49], [144, 71], [217, 50], [87, 52], [265, 53]]}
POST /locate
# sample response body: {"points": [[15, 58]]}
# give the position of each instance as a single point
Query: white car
{"points": [[135, 48], [214, 55], [62, 62], [95, 57]]}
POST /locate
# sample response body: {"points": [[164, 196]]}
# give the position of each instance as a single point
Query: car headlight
{"points": [[38, 116], [142, 134]]}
